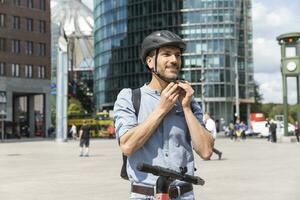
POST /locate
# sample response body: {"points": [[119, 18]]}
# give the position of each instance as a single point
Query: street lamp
{"points": [[237, 103], [202, 82]]}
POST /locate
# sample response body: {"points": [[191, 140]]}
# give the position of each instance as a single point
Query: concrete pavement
{"points": [[47, 170]]}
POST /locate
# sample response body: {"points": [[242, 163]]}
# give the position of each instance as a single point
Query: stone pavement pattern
{"points": [[47, 170]]}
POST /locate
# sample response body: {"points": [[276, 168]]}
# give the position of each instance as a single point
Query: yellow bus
{"points": [[99, 123]]}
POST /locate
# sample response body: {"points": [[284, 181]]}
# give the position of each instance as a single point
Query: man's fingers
{"points": [[170, 89], [174, 96]]}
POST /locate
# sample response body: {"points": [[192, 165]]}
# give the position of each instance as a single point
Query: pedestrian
{"points": [[272, 130], [237, 130], [169, 123], [51, 131], [244, 128], [111, 131], [297, 130], [231, 130], [211, 127], [268, 123], [73, 131], [84, 138]]}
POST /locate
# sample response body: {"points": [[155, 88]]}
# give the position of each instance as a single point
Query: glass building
{"points": [[218, 34]]}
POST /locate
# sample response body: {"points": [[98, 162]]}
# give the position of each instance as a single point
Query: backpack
{"points": [[136, 101]]}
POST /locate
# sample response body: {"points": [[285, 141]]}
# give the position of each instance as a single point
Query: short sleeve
{"points": [[124, 113], [197, 110]]}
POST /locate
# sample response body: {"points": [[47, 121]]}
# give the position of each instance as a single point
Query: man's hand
{"points": [[186, 93], [169, 97]]}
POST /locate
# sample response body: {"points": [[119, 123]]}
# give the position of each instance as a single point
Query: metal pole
{"points": [[2, 128], [237, 104], [285, 105], [298, 98], [202, 82]]}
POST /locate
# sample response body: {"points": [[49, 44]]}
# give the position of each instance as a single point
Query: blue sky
{"points": [[270, 19]]}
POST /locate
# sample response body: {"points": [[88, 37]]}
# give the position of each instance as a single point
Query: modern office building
{"points": [[218, 34], [25, 67]]}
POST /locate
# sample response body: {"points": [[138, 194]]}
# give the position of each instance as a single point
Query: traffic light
{"points": [[290, 40]]}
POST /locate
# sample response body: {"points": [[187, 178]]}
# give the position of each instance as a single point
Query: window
{"points": [[30, 3], [41, 49], [2, 68], [29, 24], [2, 44], [16, 22], [41, 71], [15, 70], [42, 5], [29, 47], [42, 26], [15, 46], [2, 20], [28, 71], [290, 52], [16, 2]]}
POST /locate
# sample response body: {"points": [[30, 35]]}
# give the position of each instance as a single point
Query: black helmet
{"points": [[159, 39]]}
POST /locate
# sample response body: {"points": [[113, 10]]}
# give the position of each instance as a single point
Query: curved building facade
{"points": [[219, 40]]}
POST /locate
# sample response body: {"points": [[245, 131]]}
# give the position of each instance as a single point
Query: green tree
{"points": [[74, 106], [258, 97]]}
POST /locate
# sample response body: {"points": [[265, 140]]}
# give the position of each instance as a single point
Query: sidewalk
{"points": [[47, 170]]}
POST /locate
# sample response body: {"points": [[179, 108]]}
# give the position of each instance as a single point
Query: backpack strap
{"points": [[136, 100]]}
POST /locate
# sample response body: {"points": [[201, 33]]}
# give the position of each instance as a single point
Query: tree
{"points": [[258, 97], [75, 107]]}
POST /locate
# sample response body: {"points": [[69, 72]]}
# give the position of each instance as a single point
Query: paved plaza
{"points": [[47, 170]]}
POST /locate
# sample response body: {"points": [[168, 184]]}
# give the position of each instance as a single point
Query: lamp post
{"points": [[237, 94], [202, 82]]}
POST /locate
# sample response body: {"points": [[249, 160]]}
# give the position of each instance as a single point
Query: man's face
{"points": [[168, 62]]}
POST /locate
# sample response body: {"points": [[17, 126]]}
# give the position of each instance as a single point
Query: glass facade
{"points": [[218, 34]]}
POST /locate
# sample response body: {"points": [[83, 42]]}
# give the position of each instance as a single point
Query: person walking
{"points": [[243, 130], [84, 139], [211, 127], [272, 130], [297, 130], [169, 124], [73, 131]]}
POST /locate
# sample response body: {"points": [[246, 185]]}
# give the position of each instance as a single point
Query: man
{"points": [[272, 130], [168, 125], [211, 127], [84, 138]]}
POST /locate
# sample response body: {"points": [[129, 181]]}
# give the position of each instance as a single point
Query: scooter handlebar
{"points": [[172, 174]]}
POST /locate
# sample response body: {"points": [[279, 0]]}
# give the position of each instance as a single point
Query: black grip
{"points": [[161, 171]]}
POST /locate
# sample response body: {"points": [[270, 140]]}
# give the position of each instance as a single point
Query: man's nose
{"points": [[173, 59]]}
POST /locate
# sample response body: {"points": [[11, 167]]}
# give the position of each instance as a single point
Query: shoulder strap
{"points": [[136, 100]]}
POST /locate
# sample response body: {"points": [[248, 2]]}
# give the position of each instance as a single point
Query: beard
{"points": [[169, 76]]}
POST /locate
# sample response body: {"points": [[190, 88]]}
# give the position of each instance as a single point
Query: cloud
{"points": [[266, 54], [270, 19], [270, 86]]}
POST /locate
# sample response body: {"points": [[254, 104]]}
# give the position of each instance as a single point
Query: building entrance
{"points": [[28, 115]]}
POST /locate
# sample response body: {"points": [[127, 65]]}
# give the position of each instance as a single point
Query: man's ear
{"points": [[150, 62]]}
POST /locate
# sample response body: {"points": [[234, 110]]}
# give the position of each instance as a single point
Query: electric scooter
{"points": [[166, 177]]}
